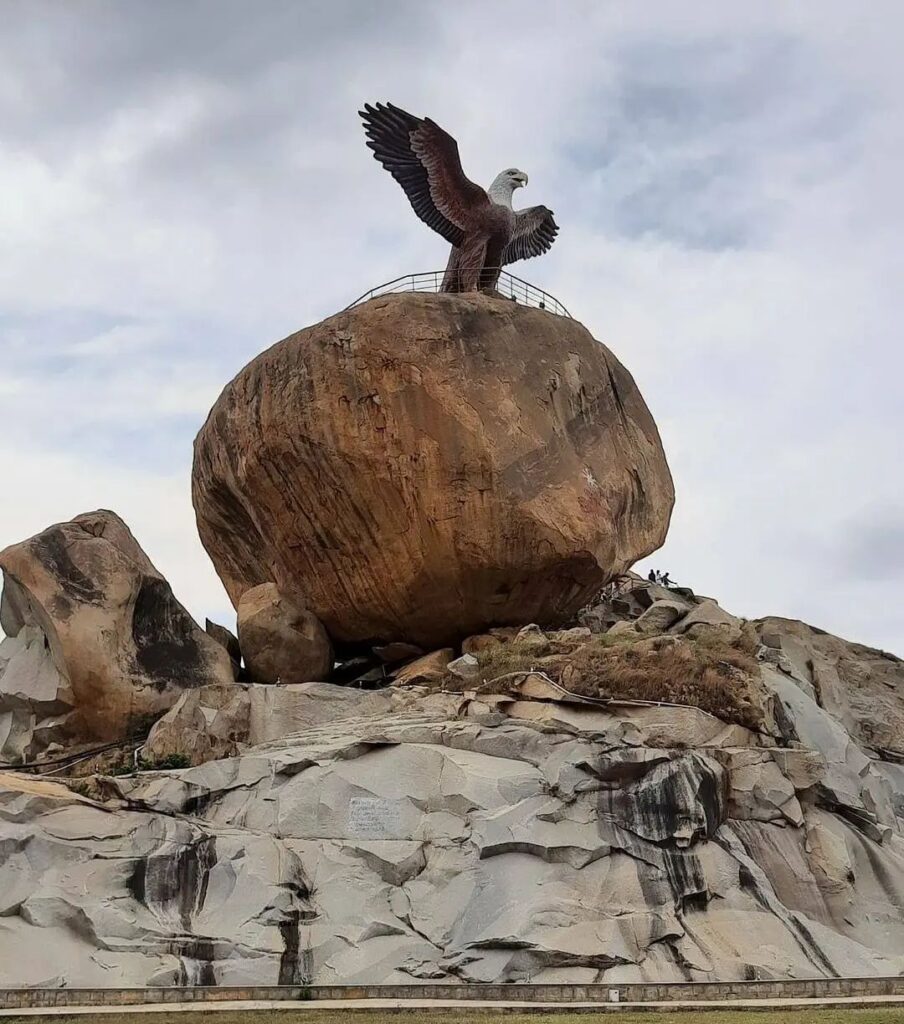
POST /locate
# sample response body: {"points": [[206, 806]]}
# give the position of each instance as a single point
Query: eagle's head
{"points": [[504, 184]]}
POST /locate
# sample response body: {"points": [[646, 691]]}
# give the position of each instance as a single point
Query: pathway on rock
{"points": [[467, 1006]]}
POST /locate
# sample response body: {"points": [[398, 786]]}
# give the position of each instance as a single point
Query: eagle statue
{"points": [[484, 231]]}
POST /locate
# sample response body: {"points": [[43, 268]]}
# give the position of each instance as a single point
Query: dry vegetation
{"points": [[711, 674], [717, 674]]}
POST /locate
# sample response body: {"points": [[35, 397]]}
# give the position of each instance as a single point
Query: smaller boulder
{"points": [[426, 671], [648, 594], [758, 789], [466, 667], [480, 642], [622, 628], [707, 614], [530, 630], [660, 616], [532, 640], [577, 634], [281, 641]]}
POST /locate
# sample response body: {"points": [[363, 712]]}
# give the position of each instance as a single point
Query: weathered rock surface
{"points": [[36, 701], [421, 467], [96, 639], [627, 598], [411, 834], [660, 616], [862, 688], [224, 721], [430, 668], [404, 836], [706, 616], [228, 640], [280, 640]]}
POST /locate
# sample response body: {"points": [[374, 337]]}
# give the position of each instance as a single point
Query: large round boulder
{"points": [[422, 467]]}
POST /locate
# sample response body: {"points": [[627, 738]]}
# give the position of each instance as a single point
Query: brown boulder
{"points": [[427, 670], [280, 640], [122, 643], [480, 642], [422, 467]]}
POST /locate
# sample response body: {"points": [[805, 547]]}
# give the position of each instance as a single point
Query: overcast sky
{"points": [[183, 183]]}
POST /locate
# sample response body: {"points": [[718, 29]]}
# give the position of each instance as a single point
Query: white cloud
{"points": [[183, 189]]}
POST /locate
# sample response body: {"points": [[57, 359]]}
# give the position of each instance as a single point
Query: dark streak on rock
{"points": [[50, 548], [296, 965], [164, 635], [175, 882]]}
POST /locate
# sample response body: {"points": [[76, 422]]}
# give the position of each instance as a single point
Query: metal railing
{"points": [[507, 287]]}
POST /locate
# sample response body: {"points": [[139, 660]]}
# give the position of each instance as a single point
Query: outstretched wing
{"points": [[535, 231], [424, 160]]}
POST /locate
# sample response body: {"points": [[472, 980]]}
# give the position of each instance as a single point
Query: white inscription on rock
{"points": [[373, 818]]}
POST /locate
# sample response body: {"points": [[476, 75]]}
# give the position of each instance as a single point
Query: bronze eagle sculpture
{"points": [[484, 231]]}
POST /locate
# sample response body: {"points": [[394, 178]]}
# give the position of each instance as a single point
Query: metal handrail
{"points": [[508, 286]]}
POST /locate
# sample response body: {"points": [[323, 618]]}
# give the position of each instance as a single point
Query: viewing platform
{"points": [[507, 287]]}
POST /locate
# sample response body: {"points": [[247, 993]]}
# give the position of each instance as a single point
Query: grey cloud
{"points": [[870, 547], [75, 62], [688, 136], [185, 182]]}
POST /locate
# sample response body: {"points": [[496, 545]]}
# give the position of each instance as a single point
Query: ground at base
{"points": [[851, 1012]]}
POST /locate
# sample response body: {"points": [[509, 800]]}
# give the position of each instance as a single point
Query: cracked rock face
{"points": [[422, 467], [95, 638], [445, 836], [862, 688]]}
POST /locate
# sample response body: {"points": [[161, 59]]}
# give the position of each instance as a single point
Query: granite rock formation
{"points": [[280, 641], [96, 641], [414, 834], [858, 685], [421, 467]]}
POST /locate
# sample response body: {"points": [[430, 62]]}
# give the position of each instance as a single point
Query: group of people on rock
{"points": [[662, 578]]}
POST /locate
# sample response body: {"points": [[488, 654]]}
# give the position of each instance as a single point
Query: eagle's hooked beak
{"points": [[523, 180]]}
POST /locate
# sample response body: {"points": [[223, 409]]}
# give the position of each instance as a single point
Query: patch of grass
{"points": [[716, 672], [716, 676], [514, 656]]}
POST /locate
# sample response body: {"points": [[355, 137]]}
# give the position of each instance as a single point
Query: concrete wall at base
{"points": [[816, 988]]}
